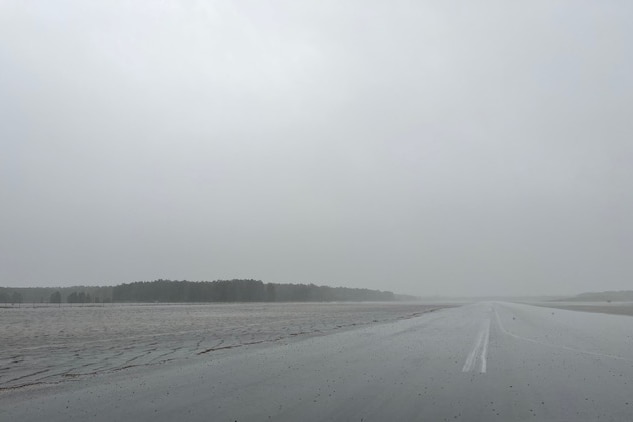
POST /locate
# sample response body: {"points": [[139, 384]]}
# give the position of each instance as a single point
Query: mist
{"points": [[427, 148]]}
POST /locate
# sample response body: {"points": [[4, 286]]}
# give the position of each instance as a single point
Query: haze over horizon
{"points": [[427, 148]]}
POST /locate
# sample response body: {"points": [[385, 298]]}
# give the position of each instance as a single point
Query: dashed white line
{"points": [[480, 350], [468, 365], [484, 352]]}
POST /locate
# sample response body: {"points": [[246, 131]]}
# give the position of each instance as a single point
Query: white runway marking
{"points": [[484, 352], [480, 350]]}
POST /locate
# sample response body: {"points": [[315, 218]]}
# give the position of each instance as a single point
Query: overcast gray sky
{"points": [[423, 147]]}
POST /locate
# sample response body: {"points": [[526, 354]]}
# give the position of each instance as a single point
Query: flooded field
{"points": [[52, 344]]}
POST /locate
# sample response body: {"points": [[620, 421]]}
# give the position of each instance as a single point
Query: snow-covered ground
{"points": [[48, 345]]}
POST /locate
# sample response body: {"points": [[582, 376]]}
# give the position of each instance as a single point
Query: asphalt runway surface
{"points": [[481, 362]]}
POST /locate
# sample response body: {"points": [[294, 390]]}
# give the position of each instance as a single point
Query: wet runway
{"points": [[479, 362]]}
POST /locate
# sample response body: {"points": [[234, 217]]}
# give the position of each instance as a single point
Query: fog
{"points": [[428, 148]]}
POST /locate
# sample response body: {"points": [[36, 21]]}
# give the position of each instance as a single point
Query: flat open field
{"points": [[48, 345], [614, 308]]}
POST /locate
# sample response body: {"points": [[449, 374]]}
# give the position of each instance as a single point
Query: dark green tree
{"points": [[56, 297], [72, 298], [16, 298]]}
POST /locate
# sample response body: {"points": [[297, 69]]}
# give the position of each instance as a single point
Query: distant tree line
{"points": [[76, 294], [82, 297], [239, 291], [191, 291], [13, 297]]}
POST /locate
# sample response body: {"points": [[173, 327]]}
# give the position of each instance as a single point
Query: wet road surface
{"points": [[479, 362]]}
